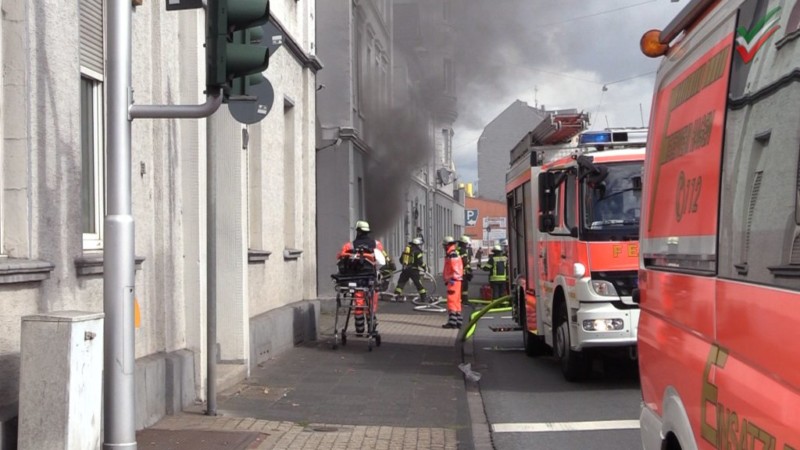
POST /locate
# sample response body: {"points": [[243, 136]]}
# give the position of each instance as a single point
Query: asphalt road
{"points": [[525, 398]]}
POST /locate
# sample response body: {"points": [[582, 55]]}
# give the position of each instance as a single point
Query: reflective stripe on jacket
{"points": [[498, 268]]}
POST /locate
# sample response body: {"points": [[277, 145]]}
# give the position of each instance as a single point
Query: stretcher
{"points": [[356, 295]]}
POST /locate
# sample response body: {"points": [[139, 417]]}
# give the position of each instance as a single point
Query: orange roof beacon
{"points": [[574, 210], [719, 279]]}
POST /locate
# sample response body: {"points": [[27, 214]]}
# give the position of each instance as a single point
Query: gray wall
{"points": [[495, 143]]}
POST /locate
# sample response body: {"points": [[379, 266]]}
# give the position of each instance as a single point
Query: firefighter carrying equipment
{"points": [[413, 263], [362, 258], [497, 265], [413, 256]]}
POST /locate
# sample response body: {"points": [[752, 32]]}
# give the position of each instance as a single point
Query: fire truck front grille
{"points": [[624, 281]]}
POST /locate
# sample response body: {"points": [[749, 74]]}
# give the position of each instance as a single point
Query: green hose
{"points": [[494, 306]]}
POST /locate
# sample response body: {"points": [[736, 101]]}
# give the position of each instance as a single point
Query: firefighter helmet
{"points": [[362, 225], [497, 249], [448, 240], [465, 239], [416, 241]]}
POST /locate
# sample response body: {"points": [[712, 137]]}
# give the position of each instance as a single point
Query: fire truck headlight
{"points": [[603, 325], [604, 288], [579, 270]]}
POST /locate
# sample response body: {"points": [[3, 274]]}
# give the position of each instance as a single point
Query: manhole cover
{"points": [[196, 439], [505, 327]]}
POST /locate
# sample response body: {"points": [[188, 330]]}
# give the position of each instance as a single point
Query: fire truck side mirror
{"points": [[547, 195]]}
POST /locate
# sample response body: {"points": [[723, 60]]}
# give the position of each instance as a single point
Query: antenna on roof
{"points": [[641, 111], [535, 96]]}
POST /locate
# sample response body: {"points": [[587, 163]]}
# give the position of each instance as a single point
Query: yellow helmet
{"points": [[465, 239], [362, 225], [497, 249]]}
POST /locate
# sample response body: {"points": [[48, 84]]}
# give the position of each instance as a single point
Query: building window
{"points": [[449, 77], [358, 64], [93, 167], [92, 163], [360, 198], [289, 197], [447, 147]]}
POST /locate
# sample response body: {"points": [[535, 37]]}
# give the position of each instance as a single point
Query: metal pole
{"points": [[213, 102], [118, 260], [211, 275]]}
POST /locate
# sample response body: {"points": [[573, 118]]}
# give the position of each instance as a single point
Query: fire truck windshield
{"points": [[612, 207]]}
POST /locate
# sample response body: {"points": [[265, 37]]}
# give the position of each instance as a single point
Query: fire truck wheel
{"points": [[574, 365]]}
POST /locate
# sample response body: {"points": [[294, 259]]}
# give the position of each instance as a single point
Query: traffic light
{"points": [[248, 38], [232, 37]]}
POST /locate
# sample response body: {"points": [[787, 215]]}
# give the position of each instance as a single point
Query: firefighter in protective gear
{"points": [[465, 251], [413, 262], [370, 246], [453, 274], [497, 265]]}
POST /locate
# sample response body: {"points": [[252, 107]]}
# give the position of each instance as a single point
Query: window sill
{"points": [[92, 264], [257, 256], [785, 271], [15, 270], [290, 254]]}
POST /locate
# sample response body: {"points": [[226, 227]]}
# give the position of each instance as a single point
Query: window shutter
{"points": [[91, 29]]}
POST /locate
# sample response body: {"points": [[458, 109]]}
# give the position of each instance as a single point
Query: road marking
{"points": [[565, 426]]}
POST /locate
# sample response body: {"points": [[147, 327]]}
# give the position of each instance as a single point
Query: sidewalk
{"points": [[406, 394]]}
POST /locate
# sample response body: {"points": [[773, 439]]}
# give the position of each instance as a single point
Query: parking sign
{"points": [[471, 217]]}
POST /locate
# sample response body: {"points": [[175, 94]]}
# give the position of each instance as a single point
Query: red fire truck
{"points": [[574, 213], [719, 285]]}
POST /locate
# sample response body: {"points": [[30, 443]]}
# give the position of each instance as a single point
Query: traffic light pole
{"points": [[118, 261]]}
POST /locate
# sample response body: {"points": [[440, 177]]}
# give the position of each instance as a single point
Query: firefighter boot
{"points": [[452, 322], [423, 297]]}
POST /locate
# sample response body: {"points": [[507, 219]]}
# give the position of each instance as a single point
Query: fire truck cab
{"points": [[574, 213], [719, 280]]}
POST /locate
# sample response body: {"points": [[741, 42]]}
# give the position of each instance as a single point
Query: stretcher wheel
{"points": [[377, 340], [344, 339]]}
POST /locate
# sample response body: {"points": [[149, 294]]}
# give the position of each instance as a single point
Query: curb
{"points": [[481, 433]]}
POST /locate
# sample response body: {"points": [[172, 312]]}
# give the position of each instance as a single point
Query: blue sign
{"points": [[471, 217]]}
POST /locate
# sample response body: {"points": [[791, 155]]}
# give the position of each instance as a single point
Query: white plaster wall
{"points": [[42, 169], [279, 282], [41, 175], [156, 179]]}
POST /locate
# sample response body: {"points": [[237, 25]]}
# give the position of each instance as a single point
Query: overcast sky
{"points": [[556, 53]]}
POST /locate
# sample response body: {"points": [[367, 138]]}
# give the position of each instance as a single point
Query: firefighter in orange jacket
{"points": [[452, 274], [364, 241]]}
